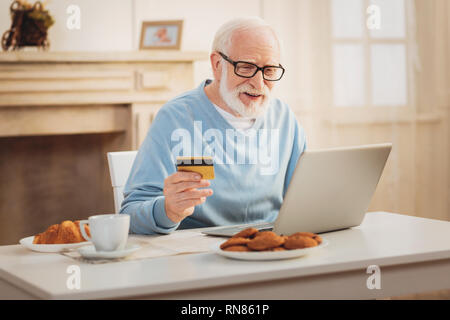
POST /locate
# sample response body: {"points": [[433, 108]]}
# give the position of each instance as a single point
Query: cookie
{"points": [[299, 242], [246, 233], [234, 242], [309, 234], [265, 241], [266, 234], [318, 239], [237, 248]]}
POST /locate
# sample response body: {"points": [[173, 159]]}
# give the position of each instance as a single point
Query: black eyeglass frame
{"points": [[234, 63]]}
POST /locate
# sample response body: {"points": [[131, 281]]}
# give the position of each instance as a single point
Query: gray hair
{"points": [[222, 39]]}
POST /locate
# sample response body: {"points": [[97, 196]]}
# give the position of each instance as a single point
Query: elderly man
{"points": [[254, 139]]}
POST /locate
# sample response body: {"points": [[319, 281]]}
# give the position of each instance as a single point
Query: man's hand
{"points": [[181, 194]]}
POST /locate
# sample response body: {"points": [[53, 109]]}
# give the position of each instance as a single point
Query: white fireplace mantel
{"points": [[48, 93]]}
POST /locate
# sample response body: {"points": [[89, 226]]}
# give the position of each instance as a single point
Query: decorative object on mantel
{"points": [[161, 34], [29, 26]]}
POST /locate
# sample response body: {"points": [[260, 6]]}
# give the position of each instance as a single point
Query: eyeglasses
{"points": [[248, 70]]}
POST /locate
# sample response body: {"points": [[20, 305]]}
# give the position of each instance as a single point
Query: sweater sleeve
{"points": [[298, 147], [143, 192]]}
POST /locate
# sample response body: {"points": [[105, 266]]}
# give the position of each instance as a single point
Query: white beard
{"points": [[231, 98]]}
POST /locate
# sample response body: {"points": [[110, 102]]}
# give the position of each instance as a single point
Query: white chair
{"points": [[120, 164]]}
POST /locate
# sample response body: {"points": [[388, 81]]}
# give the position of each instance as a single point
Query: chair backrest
{"points": [[120, 164]]}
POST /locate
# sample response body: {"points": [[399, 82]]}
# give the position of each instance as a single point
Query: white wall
{"points": [[201, 20], [115, 25], [105, 25]]}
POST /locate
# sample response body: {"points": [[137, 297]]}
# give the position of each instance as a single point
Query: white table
{"points": [[413, 255]]}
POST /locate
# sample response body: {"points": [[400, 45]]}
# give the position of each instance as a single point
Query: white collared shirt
{"points": [[239, 123]]}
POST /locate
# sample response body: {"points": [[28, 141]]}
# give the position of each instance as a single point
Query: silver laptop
{"points": [[330, 190]]}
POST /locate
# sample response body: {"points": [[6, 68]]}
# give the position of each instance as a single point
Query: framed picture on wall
{"points": [[161, 34]]}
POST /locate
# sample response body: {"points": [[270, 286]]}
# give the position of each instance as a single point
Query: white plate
{"points": [[28, 243], [267, 255], [89, 252]]}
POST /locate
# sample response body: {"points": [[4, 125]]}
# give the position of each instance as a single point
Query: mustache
{"points": [[247, 88]]}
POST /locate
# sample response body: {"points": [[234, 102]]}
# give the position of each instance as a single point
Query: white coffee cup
{"points": [[109, 232]]}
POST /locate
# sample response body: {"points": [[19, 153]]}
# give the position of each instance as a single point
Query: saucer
{"points": [[89, 252]]}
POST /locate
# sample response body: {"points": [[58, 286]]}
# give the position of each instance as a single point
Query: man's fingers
{"points": [[193, 194], [183, 176], [180, 190], [191, 203], [171, 189], [185, 185]]}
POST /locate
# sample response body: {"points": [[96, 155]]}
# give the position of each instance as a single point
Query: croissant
{"points": [[65, 232]]}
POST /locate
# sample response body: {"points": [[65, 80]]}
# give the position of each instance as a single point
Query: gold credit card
{"points": [[202, 165]]}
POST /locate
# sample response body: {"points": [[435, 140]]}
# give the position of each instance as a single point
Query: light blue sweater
{"points": [[252, 169]]}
